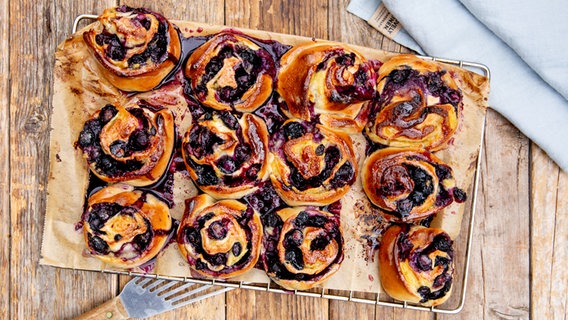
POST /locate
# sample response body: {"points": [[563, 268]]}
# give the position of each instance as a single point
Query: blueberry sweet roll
{"points": [[416, 264], [125, 227], [219, 239], [131, 143], [303, 246], [135, 47]]}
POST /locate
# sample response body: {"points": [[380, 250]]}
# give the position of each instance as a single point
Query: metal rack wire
{"points": [[346, 295]]}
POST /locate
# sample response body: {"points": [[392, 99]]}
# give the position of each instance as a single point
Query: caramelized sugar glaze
{"points": [[270, 131]]}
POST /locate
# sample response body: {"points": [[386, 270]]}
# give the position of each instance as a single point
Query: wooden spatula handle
{"points": [[112, 309]]}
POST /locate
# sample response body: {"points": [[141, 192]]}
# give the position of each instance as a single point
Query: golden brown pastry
{"points": [[231, 72], [125, 227], [408, 184], [135, 47], [130, 144], [219, 239], [312, 165], [227, 154], [416, 264], [302, 247], [329, 81], [420, 105]]}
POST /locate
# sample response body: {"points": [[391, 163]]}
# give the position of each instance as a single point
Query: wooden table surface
{"points": [[519, 254]]}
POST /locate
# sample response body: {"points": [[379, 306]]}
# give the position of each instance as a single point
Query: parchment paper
{"points": [[79, 91]]}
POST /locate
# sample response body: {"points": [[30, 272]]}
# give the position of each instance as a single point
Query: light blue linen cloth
{"points": [[526, 50]]}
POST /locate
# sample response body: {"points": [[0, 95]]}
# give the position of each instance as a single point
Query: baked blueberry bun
{"points": [[135, 47], [219, 239], [312, 165], [125, 227], [416, 264], [302, 246], [408, 184], [227, 154], [327, 81], [420, 105], [131, 143], [231, 72]]}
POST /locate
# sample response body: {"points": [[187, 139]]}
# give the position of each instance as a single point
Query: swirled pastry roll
{"points": [[125, 227], [420, 105], [135, 47], [329, 81], [312, 165], [227, 154], [131, 143], [231, 72], [416, 264], [408, 184], [302, 247], [219, 239]]}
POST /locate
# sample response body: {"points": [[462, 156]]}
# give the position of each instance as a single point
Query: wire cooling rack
{"points": [[379, 299]]}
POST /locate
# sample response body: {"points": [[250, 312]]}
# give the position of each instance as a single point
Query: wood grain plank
{"points": [[549, 238], [498, 285], [36, 27], [247, 304], [4, 164]]}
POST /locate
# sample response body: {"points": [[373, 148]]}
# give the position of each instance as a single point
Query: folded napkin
{"points": [[446, 28]]}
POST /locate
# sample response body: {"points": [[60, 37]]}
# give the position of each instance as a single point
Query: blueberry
{"points": [[459, 195], [442, 261], [301, 219], [86, 138], [138, 140], [293, 130], [219, 259], [320, 149], [117, 237], [293, 238], [107, 113], [118, 148], [295, 257], [319, 243], [200, 265], [442, 242], [243, 152], [424, 262], [403, 109], [400, 76], [98, 244], [192, 236], [217, 230], [227, 164], [343, 176], [404, 207], [229, 120], [237, 249]]}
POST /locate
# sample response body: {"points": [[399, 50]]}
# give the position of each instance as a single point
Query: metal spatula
{"points": [[145, 297]]}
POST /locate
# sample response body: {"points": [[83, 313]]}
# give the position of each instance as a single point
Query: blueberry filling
{"points": [[265, 200], [293, 130], [423, 187], [427, 294]]}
